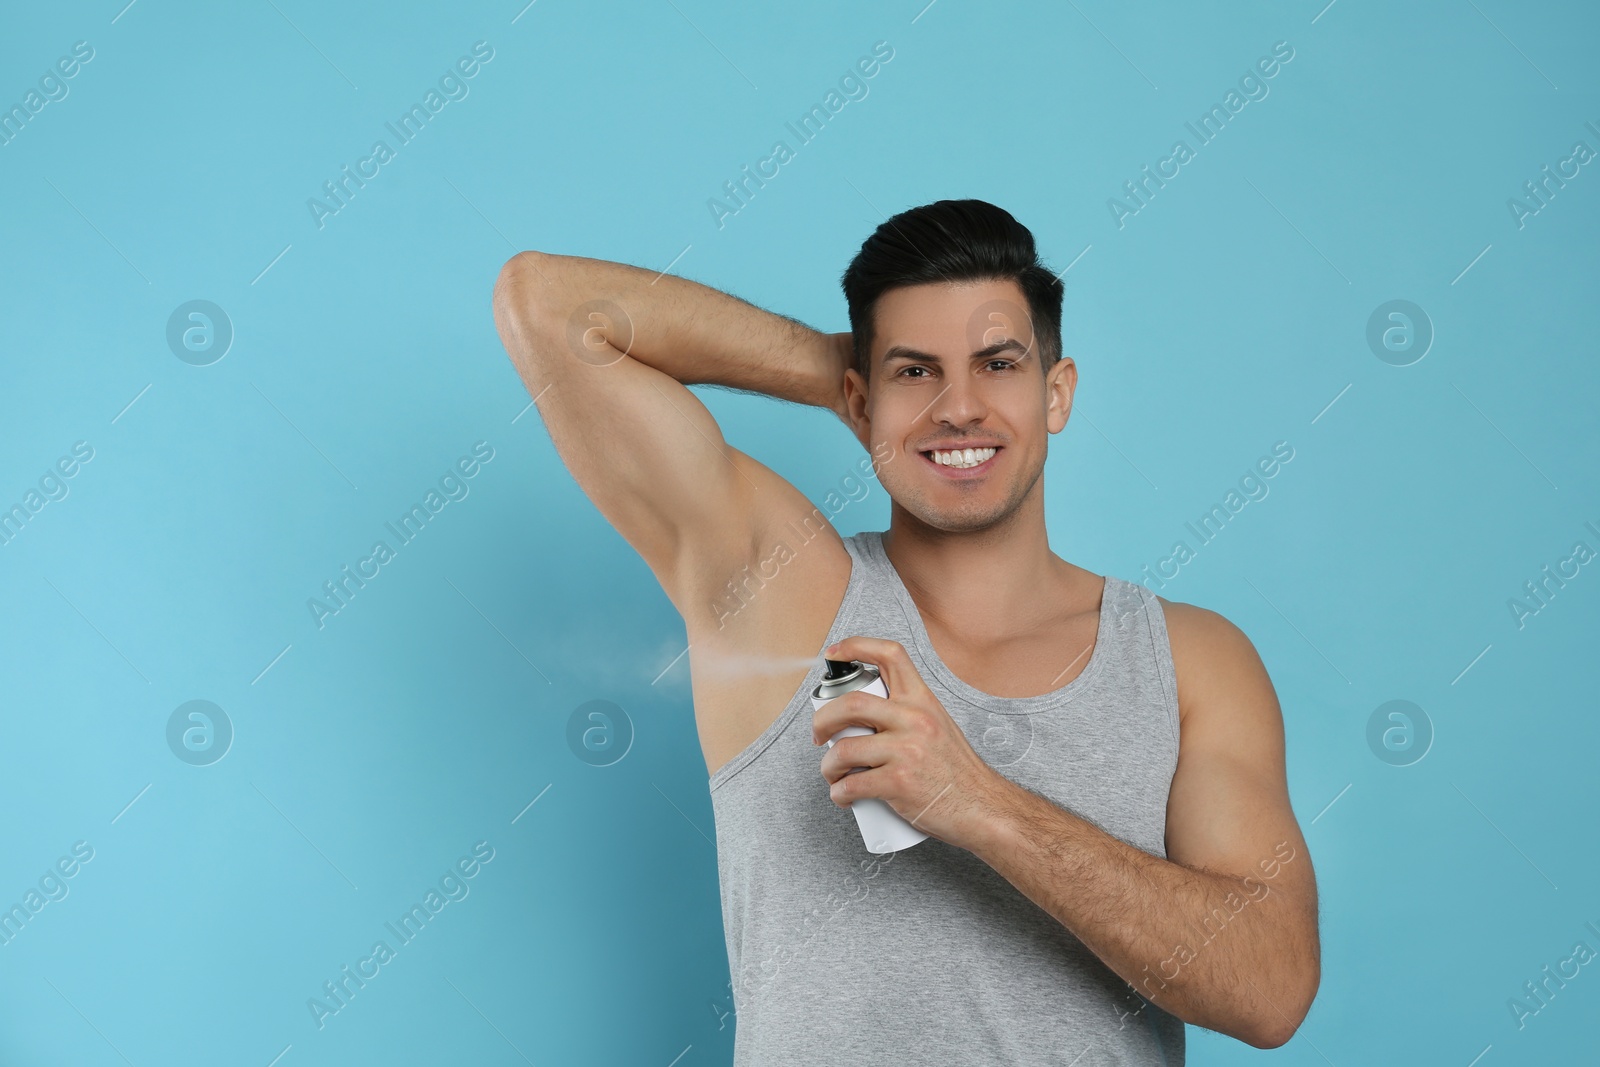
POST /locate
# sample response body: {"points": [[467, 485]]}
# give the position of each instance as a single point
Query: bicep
{"points": [[644, 449], [1228, 810]]}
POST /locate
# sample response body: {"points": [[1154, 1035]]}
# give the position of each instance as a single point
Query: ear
{"points": [[1059, 384], [855, 406]]}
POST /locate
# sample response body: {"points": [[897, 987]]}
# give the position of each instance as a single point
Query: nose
{"points": [[959, 404]]}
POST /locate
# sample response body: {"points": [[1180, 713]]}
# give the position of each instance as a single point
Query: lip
{"points": [[962, 473]]}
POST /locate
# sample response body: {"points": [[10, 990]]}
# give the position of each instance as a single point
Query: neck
{"points": [[990, 582]]}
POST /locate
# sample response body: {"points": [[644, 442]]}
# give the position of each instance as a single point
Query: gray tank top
{"points": [[928, 955]]}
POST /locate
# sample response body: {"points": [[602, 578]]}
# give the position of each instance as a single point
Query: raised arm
{"points": [[606, 351]]}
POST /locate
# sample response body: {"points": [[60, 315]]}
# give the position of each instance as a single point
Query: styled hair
{"points": [[951, 241]]}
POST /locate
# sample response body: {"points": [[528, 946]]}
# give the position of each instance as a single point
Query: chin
{"points": [[953, 507], [968, 520], [968, 517]]}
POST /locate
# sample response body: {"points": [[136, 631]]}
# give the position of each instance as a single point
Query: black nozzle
{"points": [[840, 668]]}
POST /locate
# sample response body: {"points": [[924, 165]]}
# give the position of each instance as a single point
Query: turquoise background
{"points": [[370, 754]]}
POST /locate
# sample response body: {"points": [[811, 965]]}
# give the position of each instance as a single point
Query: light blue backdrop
{"points": [[211, 498]]}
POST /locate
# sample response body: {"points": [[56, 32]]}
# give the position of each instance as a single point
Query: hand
{"points": [[919, 762]]}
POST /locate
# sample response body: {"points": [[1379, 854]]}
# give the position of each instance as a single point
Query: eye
{"points": [[1005, 364], [913, 367]]}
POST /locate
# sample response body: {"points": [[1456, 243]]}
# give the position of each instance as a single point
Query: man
{"points": [[1112, 851]]}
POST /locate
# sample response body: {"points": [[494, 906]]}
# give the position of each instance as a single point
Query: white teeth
{"points": [[963, 457]]}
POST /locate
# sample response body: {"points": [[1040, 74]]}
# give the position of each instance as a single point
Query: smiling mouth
{"points": [[960, 459]]}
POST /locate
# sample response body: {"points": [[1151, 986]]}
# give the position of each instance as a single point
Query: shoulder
{"points": [[1214, 661], [1191, 623]]}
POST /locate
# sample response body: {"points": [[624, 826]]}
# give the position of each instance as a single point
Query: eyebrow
{"points": [[904, 352]]}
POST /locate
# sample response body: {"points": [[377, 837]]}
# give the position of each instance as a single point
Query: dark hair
{"points": [[951, 241]]}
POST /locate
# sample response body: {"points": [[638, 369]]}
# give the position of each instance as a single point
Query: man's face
{"points": [[955, 366]]}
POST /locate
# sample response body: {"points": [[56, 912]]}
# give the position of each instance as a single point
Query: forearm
{"points": [[1215, 950], [692, 332]]}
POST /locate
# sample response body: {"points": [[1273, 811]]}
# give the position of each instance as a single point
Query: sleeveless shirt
{"points": [[928, 955]]}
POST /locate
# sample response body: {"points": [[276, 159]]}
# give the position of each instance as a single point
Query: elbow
{"points": [[518, 282], [519, 300], [1275, 1028], [1270, 1037], [524, 262]]}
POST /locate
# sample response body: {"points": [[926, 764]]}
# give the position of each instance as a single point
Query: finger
{"points": [[853, 787], [891, 659], [850, 755], [854, 708]]}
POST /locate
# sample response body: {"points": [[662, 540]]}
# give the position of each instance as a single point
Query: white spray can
{"points": [[882, 828]]}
